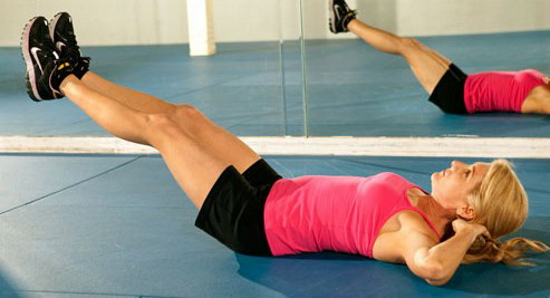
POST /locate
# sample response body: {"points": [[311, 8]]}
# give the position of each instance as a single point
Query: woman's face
{"points": [[450, 187]]}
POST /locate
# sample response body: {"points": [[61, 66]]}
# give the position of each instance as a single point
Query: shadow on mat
{"points": [[6, 288], [330, 274]]}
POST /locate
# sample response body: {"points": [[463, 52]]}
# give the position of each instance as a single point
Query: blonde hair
{"points": [[501, 205]]}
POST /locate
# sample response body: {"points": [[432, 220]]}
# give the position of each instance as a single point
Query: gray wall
{"points": [[120, 22]]}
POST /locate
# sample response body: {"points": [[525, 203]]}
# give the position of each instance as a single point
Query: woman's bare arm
{"points": [[437, 262]]}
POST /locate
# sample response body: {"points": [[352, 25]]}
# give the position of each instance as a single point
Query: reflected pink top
{"points": [[334, 213], [499, 90]]}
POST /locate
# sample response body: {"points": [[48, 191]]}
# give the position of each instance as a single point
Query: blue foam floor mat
{"points": [[352, 90], [119, 226]]}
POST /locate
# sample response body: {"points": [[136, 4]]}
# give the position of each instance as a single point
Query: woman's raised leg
{"points": [[192, 164], [137, 100], [427, 65], [220, 142]]}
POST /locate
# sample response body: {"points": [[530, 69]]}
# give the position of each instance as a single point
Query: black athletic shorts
{"points": [[233, 211], [448, 95]]}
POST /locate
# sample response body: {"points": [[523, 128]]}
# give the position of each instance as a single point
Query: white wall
{"points": [[434, 17], [448, 17], [247, 20], [120, 22], [102, 22]]}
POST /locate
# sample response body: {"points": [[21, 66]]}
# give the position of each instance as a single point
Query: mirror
{"points": [[355, 90]]}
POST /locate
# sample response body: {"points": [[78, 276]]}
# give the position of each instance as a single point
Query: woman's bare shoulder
{"points": [[391, 240]]}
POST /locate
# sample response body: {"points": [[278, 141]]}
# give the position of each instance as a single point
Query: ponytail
{"points": [[510, 252]]}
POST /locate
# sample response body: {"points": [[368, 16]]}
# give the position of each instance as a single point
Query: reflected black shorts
{"points": [[233, 211], [448, 95]]}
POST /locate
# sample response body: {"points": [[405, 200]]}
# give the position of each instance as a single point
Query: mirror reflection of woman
{"points": [[250, 208], [525, 91]]}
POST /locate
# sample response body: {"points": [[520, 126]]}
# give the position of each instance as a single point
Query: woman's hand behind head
{"points": [[475, 229]]}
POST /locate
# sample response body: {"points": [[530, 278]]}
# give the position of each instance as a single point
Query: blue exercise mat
{"points": [[119, 226]]}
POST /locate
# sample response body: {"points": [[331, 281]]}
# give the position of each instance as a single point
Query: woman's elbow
{"points": [[435, 274], [437, 282]]}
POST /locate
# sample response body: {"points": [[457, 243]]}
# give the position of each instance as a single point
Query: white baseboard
{"points": [[356, 146]]}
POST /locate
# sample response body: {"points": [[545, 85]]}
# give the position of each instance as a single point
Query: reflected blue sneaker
{"points": [[340, 16]]}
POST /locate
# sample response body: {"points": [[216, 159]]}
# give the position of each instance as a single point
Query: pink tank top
{"points": [[334, 213], [500, 90]]}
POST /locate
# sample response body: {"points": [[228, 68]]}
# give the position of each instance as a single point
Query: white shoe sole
{"points": [[25, 50]]}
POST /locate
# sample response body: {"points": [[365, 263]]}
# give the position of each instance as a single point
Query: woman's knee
{"points": [[162, 130], [187, 112], [157, 123], [182, 119], [175, 116], [190, 118], [409, 44]]}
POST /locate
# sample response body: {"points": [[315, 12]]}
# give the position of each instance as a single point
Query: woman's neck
{"points": [[439, 216]]}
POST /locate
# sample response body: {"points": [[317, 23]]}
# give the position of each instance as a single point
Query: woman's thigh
{"points": [[192, 164], [219, 141], [427, 65]]}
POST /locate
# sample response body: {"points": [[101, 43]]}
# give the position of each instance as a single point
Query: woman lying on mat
{"points": [[250, 208], [453, 91]]}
